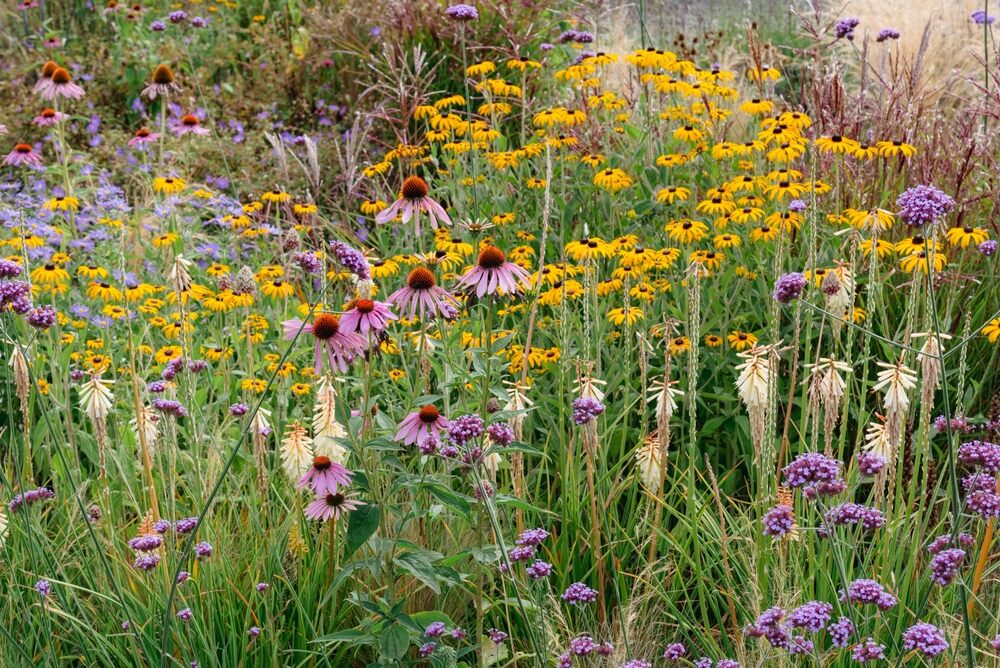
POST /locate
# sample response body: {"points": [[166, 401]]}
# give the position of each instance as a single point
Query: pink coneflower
{"points": [[340, 347], [45, 78], [422, 295], [366, 315], [325, 476], [492, 272], [27, 4], [23, 155], [332, 506], [189, 124], [61, 85], [412, 200], [49, 117], [142, 137], [421, 424], [162, 84]]}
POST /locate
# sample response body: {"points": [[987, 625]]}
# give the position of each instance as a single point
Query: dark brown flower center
{"points": [[364, 305], [428, 414], [49, 68], [335, 500], [420, 278], [322, 463], [163, 75], [23, 148], [491, 257], [325, 326], [415, 187], [189, 119], [48, 113], [142, 133], [836, 139], [60, 76]]}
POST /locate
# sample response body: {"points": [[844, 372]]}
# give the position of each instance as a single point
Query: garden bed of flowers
{"points": [[506, 334]]}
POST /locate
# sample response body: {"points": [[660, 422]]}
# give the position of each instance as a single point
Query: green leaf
{"points": [[351, 636], [394, 642], [361, 524], [419, 565]]}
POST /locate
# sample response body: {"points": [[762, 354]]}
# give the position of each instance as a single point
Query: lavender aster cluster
{"points": [[926, 639], [922, 205], [579, 593], [789, 287], [352, 259], [844, 28], [586, 409]]}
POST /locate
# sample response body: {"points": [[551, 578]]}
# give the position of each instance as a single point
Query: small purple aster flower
{"points": [[539, 570], [462, 12], [789, 287], [844, 28], [921, 205], [43, 588], [980, 17], [185, 614], [578, 593], [426, 649], [674, 651], [987, 248], [434, 630], [203, 550], [926, 639]]}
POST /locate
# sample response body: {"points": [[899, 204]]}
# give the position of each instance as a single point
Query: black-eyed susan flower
{"points": [[670, 194], [882, 247], [591, 248], [784, 189], [720, 204], [686, 231], [169, 185], [62, 203], [836, 144], [713, 340], [679, 344], [740, 341], [875, 219], [612, 180], [963, 236], [277, 288], [992, 330], [765, 233], [628, 315], [167, 353], [914, 244], [923, 262], [723, 241], [104, 291], [890, 149], [49, 274], [757, 107]]}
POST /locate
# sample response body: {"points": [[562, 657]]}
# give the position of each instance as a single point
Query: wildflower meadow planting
{"points": [[516, 333]]}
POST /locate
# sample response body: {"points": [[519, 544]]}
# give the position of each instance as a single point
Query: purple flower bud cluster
{"points": [[500, 434], [812, 616], [674, 652], [778, 521], [29, 498], [870, 464], [15, 295], [586, 409], [844, 28], [170, 407], [185, 525], [840, 632], [981, 18], [921, 205], [41, 317], [855, 514], [811, 468], [146, 543], [957, 423], [538, 570], [988, 248], [982, 454], [43, 587], [239, 410], [577, 36], [945, 566], [465, 428], [497, 637], [146, 561], [770, 626], [586, 645], [203, 550], [869, 650], [156, 387], [579, 593], [10, 269], [637, 663], [886, 34], [462, 12], [434, 630], [172, 368], [308, 262], [925, 638], [426, 650], [351, 259], [789, 287], [945, 541], [865, 592], [797, 206]]}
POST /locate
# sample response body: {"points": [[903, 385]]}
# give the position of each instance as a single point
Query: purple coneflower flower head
{"points": [[23, 155], [462, 12], [925, 638], [465, 428], [921, 205], [674, 652], [987, 248], [188, 124], [61, 85], [789, 287], [844, 28], [886, 34], [421, 296], [779, 520], [331, 506], [367, 315], [338, 346], [49, 117], [869, 650], [578, 594], [413, 200], [325, 476], [142, 137], [420, 425], [492, 272], [586, 409], [162, 83]]}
